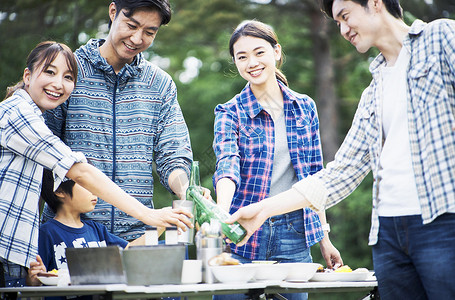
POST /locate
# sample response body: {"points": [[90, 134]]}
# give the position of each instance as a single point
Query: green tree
{"points": [[193, 48]]}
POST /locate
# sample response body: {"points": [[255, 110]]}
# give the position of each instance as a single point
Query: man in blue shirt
{"points": [[124, 115], [404, 132]]}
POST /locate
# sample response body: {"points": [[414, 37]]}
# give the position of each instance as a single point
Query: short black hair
{"points": [[392, 6], [47, 190], [161, 6]]}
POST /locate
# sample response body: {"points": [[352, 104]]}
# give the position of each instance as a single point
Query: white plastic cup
{"points": [[185, 237], [63, 277], [151, 236], [191, 271], [171, 236]]}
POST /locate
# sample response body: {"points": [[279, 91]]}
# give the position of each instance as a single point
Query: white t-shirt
{"points": [[397, 186], [283, 173]]}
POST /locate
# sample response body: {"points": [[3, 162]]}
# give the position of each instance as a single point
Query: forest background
{"points": [[193, 49]]}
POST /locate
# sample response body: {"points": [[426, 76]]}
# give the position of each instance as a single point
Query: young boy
{"points": [[66, 229]]}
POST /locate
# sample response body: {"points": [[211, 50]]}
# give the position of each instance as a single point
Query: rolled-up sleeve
{"points": [[27, 135]]}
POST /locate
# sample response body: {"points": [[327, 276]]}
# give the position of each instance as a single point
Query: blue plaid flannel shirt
{"points": [[244, 147]]}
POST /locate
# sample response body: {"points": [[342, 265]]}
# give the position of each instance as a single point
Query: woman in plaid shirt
{"points": [[266, 139], [27, 146]]}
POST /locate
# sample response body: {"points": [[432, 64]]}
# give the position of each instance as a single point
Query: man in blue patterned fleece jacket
{"points": [[124, 115]]}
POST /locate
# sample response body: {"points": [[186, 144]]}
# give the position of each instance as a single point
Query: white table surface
{"points": [[123, 291]]}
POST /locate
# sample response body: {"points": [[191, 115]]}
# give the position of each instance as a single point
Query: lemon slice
{"points": [[344, 269]]}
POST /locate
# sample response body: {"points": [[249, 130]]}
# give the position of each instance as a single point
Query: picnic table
{"points": [[191, 291]]}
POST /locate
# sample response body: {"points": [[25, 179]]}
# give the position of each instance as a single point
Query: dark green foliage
{"points": [[201, 29]]}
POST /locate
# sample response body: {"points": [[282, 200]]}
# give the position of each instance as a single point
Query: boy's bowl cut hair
{"points": [[47, 190]]}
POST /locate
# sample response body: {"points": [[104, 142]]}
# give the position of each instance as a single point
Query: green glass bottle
{"points": [[208, 210], [195, 179], [195, 182]]}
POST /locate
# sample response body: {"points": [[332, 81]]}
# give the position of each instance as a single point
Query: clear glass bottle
{"points": [[207, 210]]}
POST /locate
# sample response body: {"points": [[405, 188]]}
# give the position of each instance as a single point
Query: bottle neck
{"points": [[194, 175]]}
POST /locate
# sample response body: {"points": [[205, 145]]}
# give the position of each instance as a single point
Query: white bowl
{"points": [[271, 271], [264, 262], [234, 273], [48, 280], [301, 271]]}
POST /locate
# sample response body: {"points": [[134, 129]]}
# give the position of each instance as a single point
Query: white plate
{"points": [[51, 280], [341, 276]]}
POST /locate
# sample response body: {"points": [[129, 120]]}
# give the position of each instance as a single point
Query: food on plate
{"points": [[361, 270], [53, 273], [321, 269], [343, 269], [223, 259]]}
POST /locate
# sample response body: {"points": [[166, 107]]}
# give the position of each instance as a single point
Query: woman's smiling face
{"points": [[51, 86], [256, 59]]}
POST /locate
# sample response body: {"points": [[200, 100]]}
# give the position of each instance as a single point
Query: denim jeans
{"points": [[415, 261], [283, 240], [14, 275]]}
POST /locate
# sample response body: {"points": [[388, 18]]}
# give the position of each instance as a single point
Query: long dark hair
{"points": [[43, 55], [260, 30], [47, 190]]}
